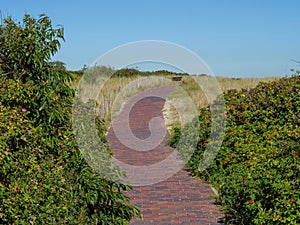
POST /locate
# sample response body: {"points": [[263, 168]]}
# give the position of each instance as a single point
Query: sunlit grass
{"points": [[112, 92], [199, 98]]}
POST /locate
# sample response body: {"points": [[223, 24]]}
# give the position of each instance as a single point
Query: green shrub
{"points": [[44, 178], [257, 169], [174, 138]]}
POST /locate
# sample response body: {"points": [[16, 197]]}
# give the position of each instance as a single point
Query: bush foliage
{"points": [[257, 169], [44, 178]]}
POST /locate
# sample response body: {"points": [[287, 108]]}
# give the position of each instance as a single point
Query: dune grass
{"points": [[199, 97], [111, 92]]}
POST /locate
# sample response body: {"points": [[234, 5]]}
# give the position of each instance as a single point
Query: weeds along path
{"points": [[178, 199]]}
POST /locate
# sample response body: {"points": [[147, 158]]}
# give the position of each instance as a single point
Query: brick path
{"points": [[176, 199]]}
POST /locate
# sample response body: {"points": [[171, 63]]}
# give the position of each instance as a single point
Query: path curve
{"points": [[178, 199]]}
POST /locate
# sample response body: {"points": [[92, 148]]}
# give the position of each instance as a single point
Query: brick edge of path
{"points": [[178, 199]]}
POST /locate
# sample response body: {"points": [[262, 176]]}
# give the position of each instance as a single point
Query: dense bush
{"points": [[44, 179], [257, 169], [126, 72], [129, 72]]}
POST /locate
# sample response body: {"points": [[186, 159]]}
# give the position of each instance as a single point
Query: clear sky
{"points": [[235, 38]]}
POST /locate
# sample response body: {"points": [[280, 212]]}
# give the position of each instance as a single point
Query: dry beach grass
{"points": [[112, 92]]}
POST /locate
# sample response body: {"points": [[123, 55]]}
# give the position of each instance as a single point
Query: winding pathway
{"points": [[164, 196]]}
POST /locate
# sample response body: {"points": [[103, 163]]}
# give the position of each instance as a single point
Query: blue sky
{"points": [[235, 38]]}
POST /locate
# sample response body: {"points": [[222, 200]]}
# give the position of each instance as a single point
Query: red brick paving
{"points": [[178, 198]]}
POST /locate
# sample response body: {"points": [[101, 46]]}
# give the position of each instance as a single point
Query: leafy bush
{"points": [[127, 72], [257, 169], [175, 137], [44, 178]]}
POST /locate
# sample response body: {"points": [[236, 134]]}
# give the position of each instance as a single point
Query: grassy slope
{"points": [[118, 89]]}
